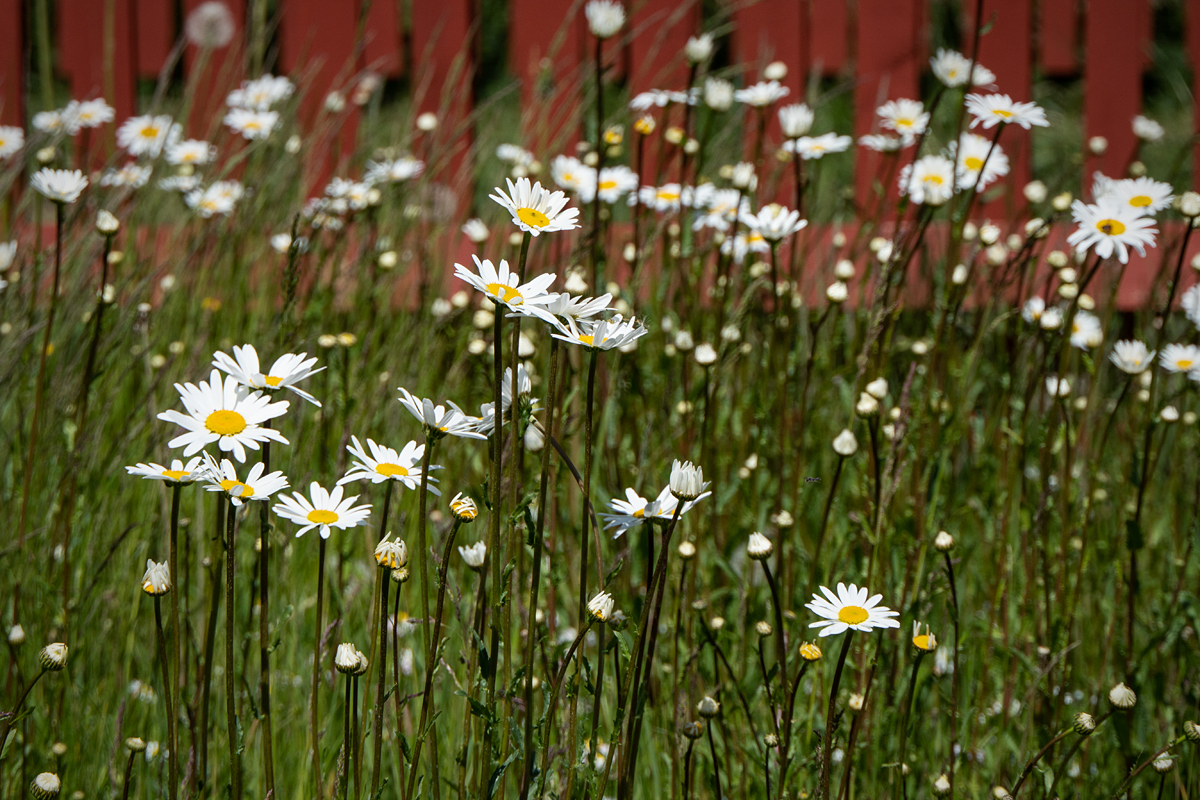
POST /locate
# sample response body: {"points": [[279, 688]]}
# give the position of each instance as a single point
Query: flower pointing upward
{"points": [[850, 609], [535, 209]]}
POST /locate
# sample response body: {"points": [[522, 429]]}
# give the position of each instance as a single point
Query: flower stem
{"points": [[823, 793], [346, 742], [316, 676], [210, 643], [235, 763], [264, 625], [377, 743], [587, 484], [168, 701], [712, 748]]}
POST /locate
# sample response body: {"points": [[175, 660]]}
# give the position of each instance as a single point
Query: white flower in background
{"points": [[719, 208], [221, 412], [604, 17], [536, 210], [600, 607], [814, 147], [993, 109], [178, 473], [487, 411], [761, 94], [261, 93], [439, 421], [87, 114], [718, 94], [572, 175], [844, 444], [1110, 229], [183, 184], [395, 171], [795, 120], [881, 143], [1179, 357], [698, 48], [11, 140], [850, 609], [385, 464], [979, 164], [514, 155], [742, 244], [190, 151], [614, 183], [1033, 309], [905, 117], [1190, 300], [258, 485], [287, 370], [929, 181], [759, 547], [59, 185], [1145, 196], [147, 135], [49, 121], [251, 125], [654, 98], [774, 222], [665, 198], [131, 175], [1147, 129], [326, 510], [210, 26], [1086, 331], [1131, 356], [951, 68], [218, 199], [476, 230]]}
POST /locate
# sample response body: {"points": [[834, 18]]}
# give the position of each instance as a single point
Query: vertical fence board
{"points": [[384, 41], [1057, 36], [154, 35], [222, 71], [660, 30], [1112, 78], [12, 81], [1192, 34], [443, 68], [81, 26], [829, 24], [549, 50]]}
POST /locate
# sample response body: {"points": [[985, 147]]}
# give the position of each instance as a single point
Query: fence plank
{"points": [[1112, 82], [660, 30], [12, 109], [549, 49], [154, 35], [1057, 36], [222, 71], [1192, 34], [443, 67], [829, 26], [81, 27], [385, 41]]}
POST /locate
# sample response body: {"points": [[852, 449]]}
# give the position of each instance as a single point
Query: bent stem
{"points": [[558, 679], [7, 729]]}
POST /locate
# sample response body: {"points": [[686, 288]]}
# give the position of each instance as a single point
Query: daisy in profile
{"points": [[991, 110], [928, 181], [219, 199], [882, 143], [569, 310], [774, 222], [394, 171], [132, 175], [654, 98], [59, 185], [1147, 129], [1110, 229], [251, 125], [978, 163], [795, 120], [604, 17], [503, 287], [1131, 356], [850, 609], [439, 421], [190, 151], [635, 509], [50, 122], [288, 370], [385, 464], [258, 485], [147, 135], [1145, 196], [814, 147], [720, 208], [87, 114], [740, 245], [221, 412], [663, 199], [1086, 331], [11, 140], [572, 175], [761, 94], [951, 68], [183, 184], [178, 473], [603, 334], [526, 402], [324, 511], [261, 93], [536, 210], [615, 183], [1179, 357], [905, 117]]}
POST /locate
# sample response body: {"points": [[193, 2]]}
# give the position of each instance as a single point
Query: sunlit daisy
{"points": [[1144, 195], [288, 370], [604, 334], [190, 151], [635, 510], [1131, 356], [324, 511], [131, 175], [615, 182], [148, 135], [178, 472], [951, 68], [87, 114], [503, 286], [221, 412], [536, 210], [385, 464], [905, 117], [526, 402], [1179, 357], [761, 94], [665, 198], [928, 181], [59, 185], [881, 143], [1110, 229], [251, 125], [439, 421], [991, 110], [850, 609], [570, 174], [258, 484], [977, 154], [397, 171], [11, 140], [774, 222], [814, 147]]}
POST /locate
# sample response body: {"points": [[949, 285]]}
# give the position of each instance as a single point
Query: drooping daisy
{"points": [[178, 473], [536, 210], [795, 120], [1086, 331], [774, 222], [11, 140], [190, 151], [251, 125], [614, 183], [87, 114], [991, 110], [324, 511], [951, 68], [59, 185], [761, 94], [258, 485], [397, 171], [288, 370], [147, 135], [979, 163], [1179, 357], [221, 412], [603, 334], [132, 175], [439, 421], [504, 287], [1131, 356], [928, 181], [1110, 228], [850, 609], [905, 117], [1145, 196], [813, 147], [385, 464]]}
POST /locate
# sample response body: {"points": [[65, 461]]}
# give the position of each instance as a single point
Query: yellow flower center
{"points": [[972, 163], [174, 474], [1111, 227], [390, 470], [252, 125], [1140, 201], [246, 490], [640, 513], [904, 122], [1003, 113], [149, 132], [921, 642], [586, 338], [272, 381], [608, 184], [1184, 363], [504, 292], [852, 615], [322, 517], [225, 423], [531, 216], [668, 196], [934, 179]]}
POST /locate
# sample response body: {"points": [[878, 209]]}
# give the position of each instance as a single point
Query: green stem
{"points": [[826, 749]]}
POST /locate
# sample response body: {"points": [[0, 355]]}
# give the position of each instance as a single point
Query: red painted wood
{"points": [[443, 66], [829, 23], [1112, 93], [551, 52], [81, 51], [155, 35], [660, 30], [384, 42], [1058, 26], [223, 70], [12, 111], [1192, 41]]}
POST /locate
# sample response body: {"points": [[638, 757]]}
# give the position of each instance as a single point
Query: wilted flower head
{"points": [[54, 657], [600, 607], [925, 642], [708, 707], [464, 508], [845, 445], [391, 554], [346, 659], [687, 480], [157, 580], [106, 223], [759, 547], [210, 25], [474, 555]]}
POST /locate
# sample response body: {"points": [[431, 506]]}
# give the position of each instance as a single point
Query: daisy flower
{"points": [[439, 421], [774, 222], [604, 334], [614, 183], [1086, 330], [131, 175], [223, 477], [288, 370], [48, 121], [1144, 195], [951, 68], [740, 245], [905, 117], [503, 287], [514, 154], [761, 94], [571, 174], [654, 98], [976, 153], [1190, 303], [929, 180], [1111, 229], [11, 140], [87, 114], [1179, 357], [221, 412], [59, 185], [813, 147], [536, 210], [1131, 356], [184, 184], [190, 151], [218, 199], [1147, 129], [850, 609], [570, 309], [251, 125], [635, 510], [662, 199], [385, 464], [991, 110], [402, 169], [604, 17], [882, 143], [525, 401], [261, 93], [147, 135], [326, 510], [178, 473], [720, 208], [795, 120]]}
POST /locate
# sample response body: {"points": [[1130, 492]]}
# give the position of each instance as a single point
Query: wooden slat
{"points": [[1057, 36], [81, 27], [155, 35], [442, 71], [550, 51], [12, 110], [660, 30], [384, 40], [829, 24], [222, 71], [1192, 33], [1112, 81]]}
